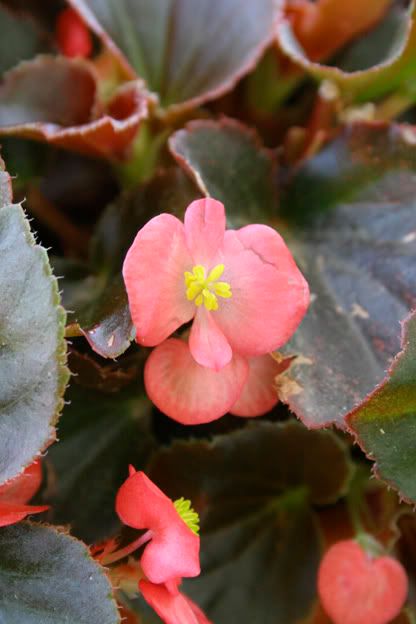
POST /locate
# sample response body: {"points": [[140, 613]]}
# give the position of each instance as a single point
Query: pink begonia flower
{"points": [[16, 493], [193, 394], [172, 607], [242, 288], [172, 551]]}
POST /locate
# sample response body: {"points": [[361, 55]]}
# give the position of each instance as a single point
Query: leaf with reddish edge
{"points": [[325, 26], [48, 576], [95, 294], [385, 424], [252, 489], [33, 374], [246, 184], [351, 209], [395, 65], [76, 120], [174, 44]]}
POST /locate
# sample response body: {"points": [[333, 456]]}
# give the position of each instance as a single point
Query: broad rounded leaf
{"points": [[395, 62], [48, 577], [100, 434], [243, 469], [33, 375], [188, 51], [353, 212], [386, 422], [245, 184], [253, 489], [30, 108]]}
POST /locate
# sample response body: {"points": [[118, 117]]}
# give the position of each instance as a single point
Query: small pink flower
{"points": [[193, 394], [172, 551], [172, 606], [16, 493], [242, 288]]}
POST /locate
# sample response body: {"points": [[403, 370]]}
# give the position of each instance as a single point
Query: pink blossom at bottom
{"points": [[173, 549], [172, 607]]}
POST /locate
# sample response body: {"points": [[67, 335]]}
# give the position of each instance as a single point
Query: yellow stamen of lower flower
{"points": [[205, 289], [188, 515]]}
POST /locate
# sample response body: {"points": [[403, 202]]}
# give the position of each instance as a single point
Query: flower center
{"points": [[188, 515], [205, 289]]}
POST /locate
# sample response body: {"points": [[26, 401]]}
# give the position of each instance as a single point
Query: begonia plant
{"points": [[207, 311]]}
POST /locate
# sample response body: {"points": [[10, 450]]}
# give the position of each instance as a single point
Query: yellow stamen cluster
{"points": [[205, 289], [188, 515]]}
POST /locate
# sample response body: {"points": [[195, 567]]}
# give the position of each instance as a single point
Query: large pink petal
{"points": [[269, 294], [204, 228], [259, 394], [173, 608], [153, 272], [207, 343], [187, 392], [23, 487], [10, 513], [174, 549]]}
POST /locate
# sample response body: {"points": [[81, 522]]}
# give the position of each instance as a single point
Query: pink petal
{"points": [[10, 513], [207, 343], [187, 392], [269, 294], [153, 272], [204, 229], [23, 487], [173, 608], [174, 549], [259, 394]]}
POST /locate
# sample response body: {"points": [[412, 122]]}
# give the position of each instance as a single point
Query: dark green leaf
{"points": [[47, 577], [260, 546], [354, 212], [98, 299], [33, 374], [386, 422], [100, 434], [20, 39], [188, 51], [228, 163]]}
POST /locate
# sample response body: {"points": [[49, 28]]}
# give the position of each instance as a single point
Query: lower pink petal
{"points": [[173, 608], [187, 392], [172, 553], [207, 343], [269, 294], [259, 394], [153, 272]]}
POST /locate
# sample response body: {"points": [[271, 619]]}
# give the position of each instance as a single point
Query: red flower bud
{"points": [[72, 35], [356, 586]]}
